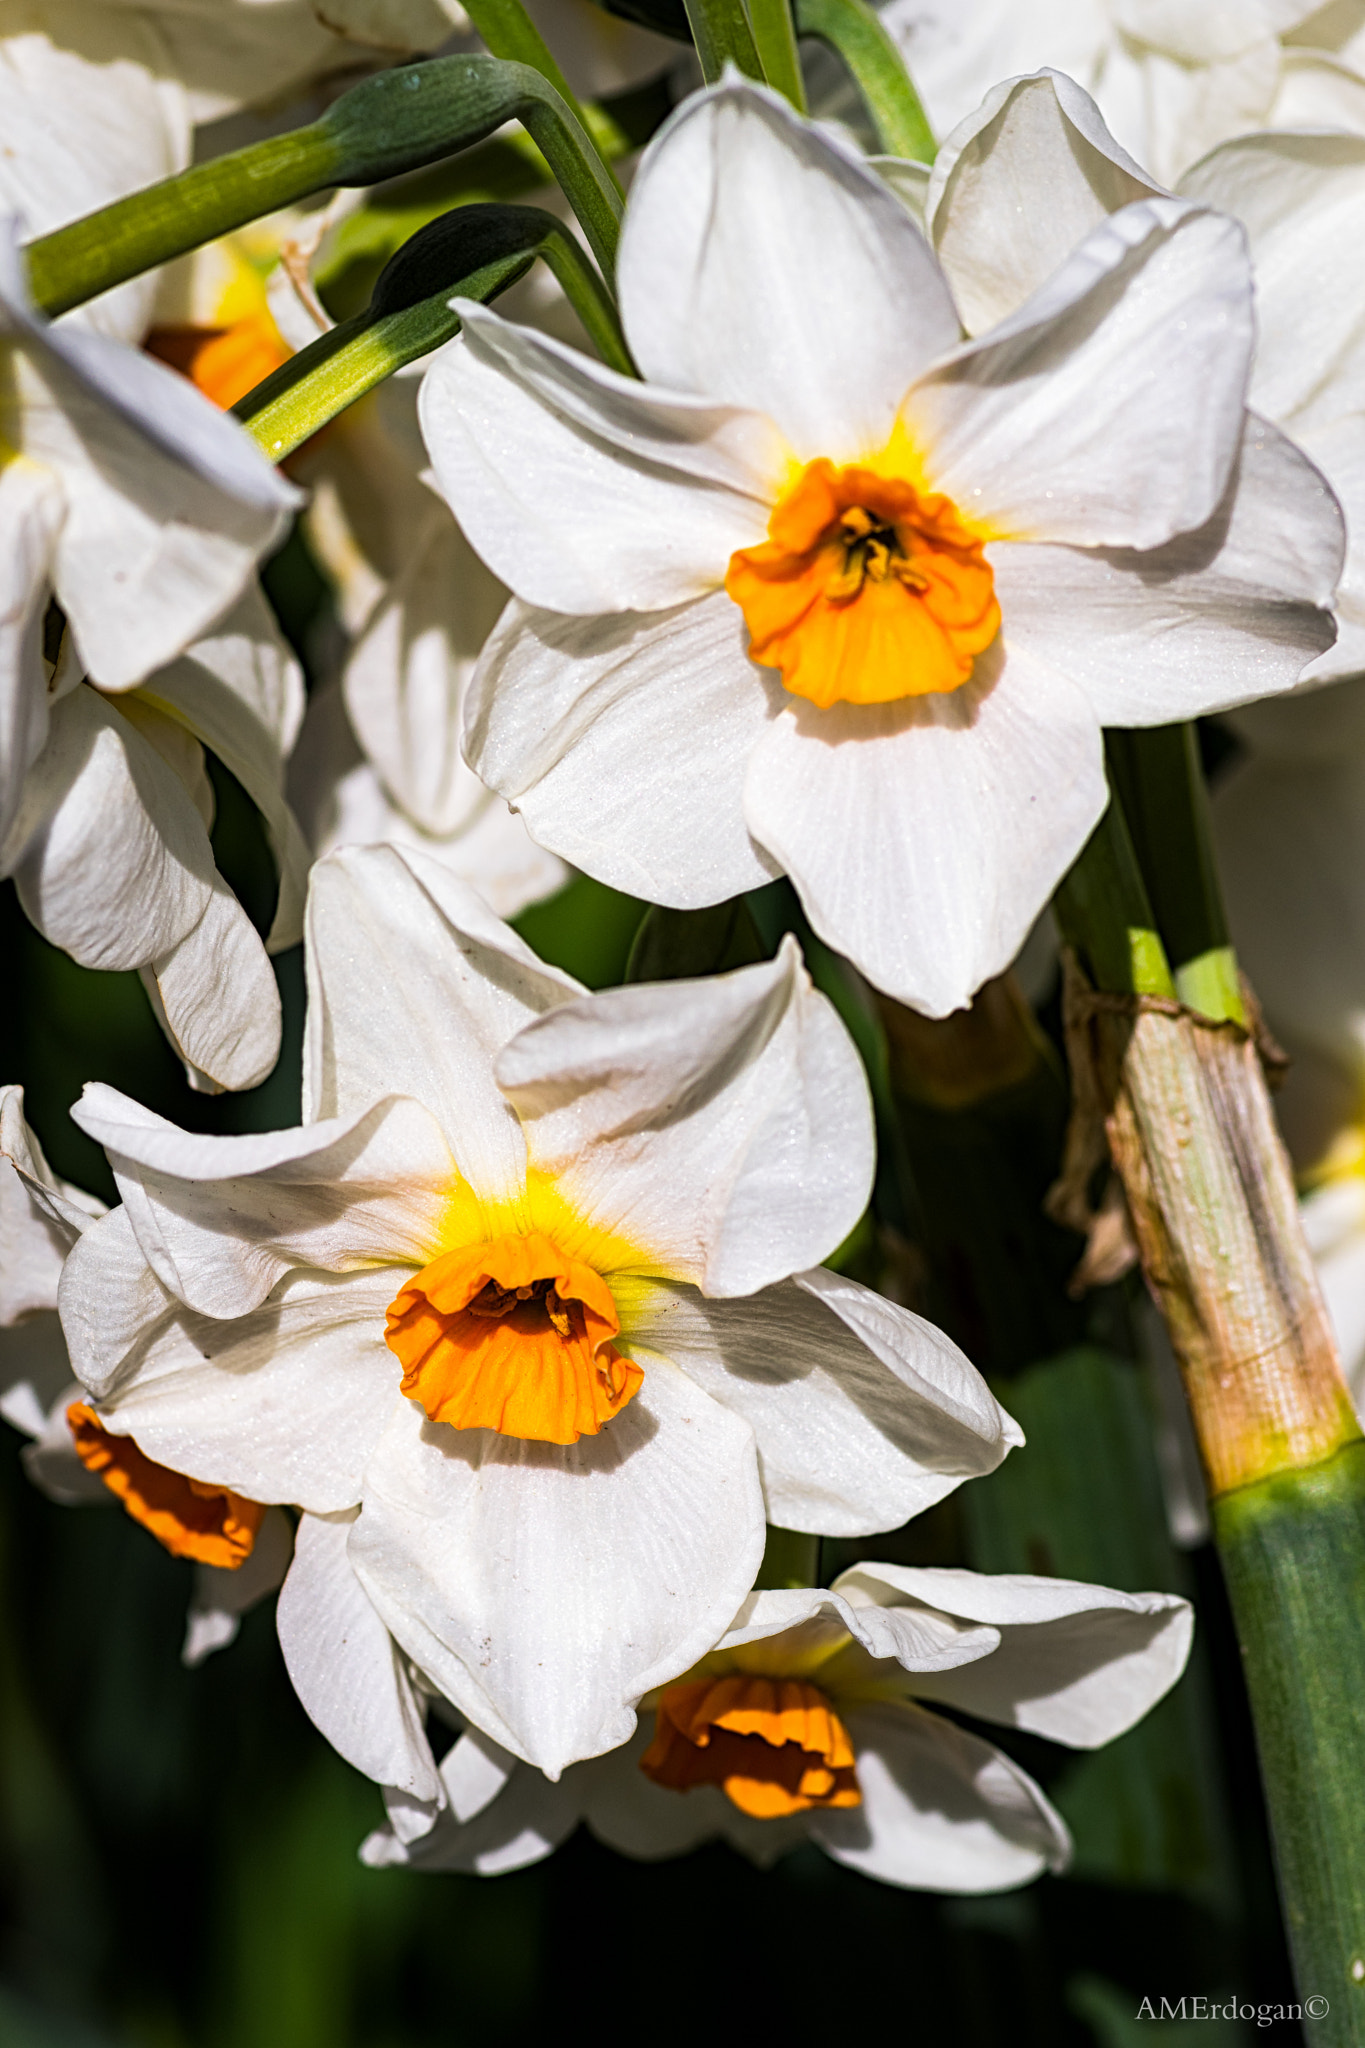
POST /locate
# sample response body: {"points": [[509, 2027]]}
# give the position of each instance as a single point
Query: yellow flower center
{"points": [[773, 1745], [224, 362], [512, 1335], [866, 590], [187, 1516]]}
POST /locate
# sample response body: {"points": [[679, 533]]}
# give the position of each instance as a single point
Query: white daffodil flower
{"points": [[41, 1218], [126, 498], [812, 1720], [534, 1287], [1171, 80], [836, 593], [378, 760]]}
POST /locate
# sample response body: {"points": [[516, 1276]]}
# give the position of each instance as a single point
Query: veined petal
{"points": [[853, 1435], [1214, 618], [345, 1666], [1337, 446], [586, 491], [40, 1217], [83, 127], [240, 690], [116, 866], [942, 1811], [215, 997], [722, 1126], [1301, 199], [636, 1817], [925, 836], [109, 1299], [764, 264], [545, 1588], [558, 703], [169, 501], [385, 919], [31, 511], [220, 1220], [285, 1404], [803, 1625], [405, 677], [1107, 411], [340, 801], [526, 1822], [1077, 1663], [1018, 185]]}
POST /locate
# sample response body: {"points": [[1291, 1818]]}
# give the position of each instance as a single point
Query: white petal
{"points": [[924, 837], [864, 1414], [1018, 185], [1337, 446], [1107, 411], [544, 1589], [392, 933], [559, 704], [1301, 199], [1077, 1663], [51, 1461], [215, 997], [406, 675], [764, 264], [222, 1219], [116, 866], [345, 1666], [169, 500], [523, 1825], [109, 1298], [942, 1811], [84, 126], [474, 1771], [633, 1815], [586, 491], [30, 517], [1210, 620], [240, 690], [1334, 1224], [800, 1625], [285, 1404], [39, 1219], [222, 1597], [340, 801], [722, 1127]]}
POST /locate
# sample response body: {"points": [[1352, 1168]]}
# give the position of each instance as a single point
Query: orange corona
{"points": [[773, 1745], [225, 362], [512, 1335], [187, 1516], [867, 589]]}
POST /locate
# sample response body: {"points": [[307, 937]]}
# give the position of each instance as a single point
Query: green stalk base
{"points": [[1293, 1553]]}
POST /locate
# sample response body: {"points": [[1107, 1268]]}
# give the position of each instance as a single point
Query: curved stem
{"points": [[396, 122], [474, 253], [852, 30]]}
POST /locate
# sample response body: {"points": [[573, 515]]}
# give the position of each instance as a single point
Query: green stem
{"points": [[473, 253], [508, 31], [1103, 909], [396, 122], [775, 41], [1160, 782], [721, 32], [1293, 1553], [855, 34]]}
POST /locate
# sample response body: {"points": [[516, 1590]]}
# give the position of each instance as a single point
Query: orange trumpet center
{"points": [[514, 1336], [191, 1519], [866, 590], [773, 1745], [225, 362]]}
